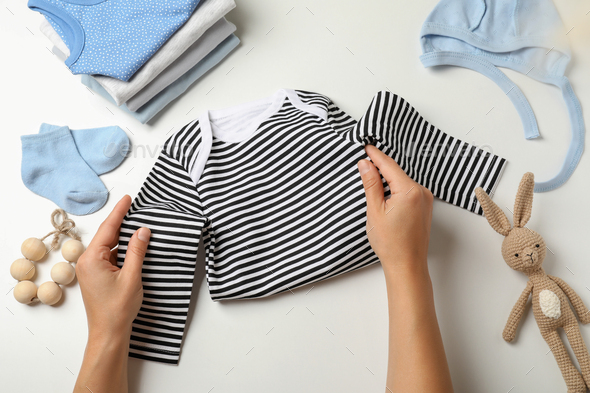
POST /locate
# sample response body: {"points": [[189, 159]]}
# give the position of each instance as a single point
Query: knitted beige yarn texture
{"points": [[524, 250]]}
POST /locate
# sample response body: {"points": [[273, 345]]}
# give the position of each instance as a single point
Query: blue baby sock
{"points": [[102, 148], [52, 168]]}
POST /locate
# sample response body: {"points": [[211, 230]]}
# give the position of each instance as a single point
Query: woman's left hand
{"points": [[112, 296]]}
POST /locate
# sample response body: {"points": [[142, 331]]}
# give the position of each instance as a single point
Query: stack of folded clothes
{"points": [[138, 54]]}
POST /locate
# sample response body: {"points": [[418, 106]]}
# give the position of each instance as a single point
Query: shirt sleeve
{"points": [[450, 168], [168, 204]]}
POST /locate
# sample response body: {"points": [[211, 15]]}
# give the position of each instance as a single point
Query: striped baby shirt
{"points": [[273, 188]]}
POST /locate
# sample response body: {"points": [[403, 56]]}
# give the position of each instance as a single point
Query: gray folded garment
{"points": [[193, 55]]}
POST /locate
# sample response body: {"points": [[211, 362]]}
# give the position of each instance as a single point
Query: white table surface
{"points": [[332, 337]]}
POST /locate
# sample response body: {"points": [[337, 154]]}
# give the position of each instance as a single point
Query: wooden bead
{"points": [[25, 292], [22, 269], [49, 293], [33, 249], [63, 273], [71, 250]]}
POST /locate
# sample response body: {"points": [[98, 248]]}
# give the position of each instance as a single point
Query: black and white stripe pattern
{"points": [[450, 168], [281, 209]]}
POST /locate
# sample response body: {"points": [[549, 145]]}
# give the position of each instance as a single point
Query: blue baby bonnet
{"points": [[524, 35]]}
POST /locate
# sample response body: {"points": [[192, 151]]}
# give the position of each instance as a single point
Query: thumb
{"points": [[136, 252], [372, 184]]}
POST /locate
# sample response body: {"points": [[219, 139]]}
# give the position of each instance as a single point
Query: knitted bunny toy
{"points": [[524, 250]]}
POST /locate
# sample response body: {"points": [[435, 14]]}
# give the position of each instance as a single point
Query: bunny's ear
{"points": [[493, 213], [524, 200]]}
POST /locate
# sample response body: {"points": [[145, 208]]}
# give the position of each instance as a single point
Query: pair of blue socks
{"points": [[63, 165]]}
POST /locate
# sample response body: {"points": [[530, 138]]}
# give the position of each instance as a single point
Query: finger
{"points": [[391, 171], [372, 184], [108, 232], [136, 253]]}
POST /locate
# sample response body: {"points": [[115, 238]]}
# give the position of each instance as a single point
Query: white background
{"points": [[332, 337]]}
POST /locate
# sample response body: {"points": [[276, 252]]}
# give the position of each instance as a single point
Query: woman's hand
{"points": [[112, 296], [398, 228]]}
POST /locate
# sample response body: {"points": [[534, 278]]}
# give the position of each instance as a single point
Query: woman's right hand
{"points": [[398, 228]]}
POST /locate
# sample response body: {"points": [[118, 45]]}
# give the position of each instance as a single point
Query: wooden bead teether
{"points": [[62, 273]]}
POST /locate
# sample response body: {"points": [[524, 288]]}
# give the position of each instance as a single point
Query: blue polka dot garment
{"points": [[113, 37]]}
